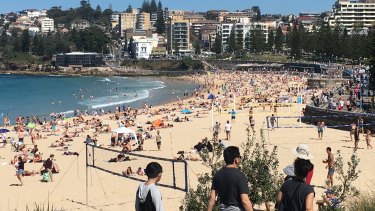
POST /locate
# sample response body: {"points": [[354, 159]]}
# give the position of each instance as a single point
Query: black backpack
{"points": [[148, 205]]}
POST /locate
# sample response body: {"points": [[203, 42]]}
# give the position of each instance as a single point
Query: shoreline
{"points": [[69, 112], [102, 71]]}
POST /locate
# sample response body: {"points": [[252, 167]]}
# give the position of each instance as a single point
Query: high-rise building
{"points": [[352, 14], [178, 36]]}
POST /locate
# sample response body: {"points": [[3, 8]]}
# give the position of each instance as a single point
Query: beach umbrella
{"points": [[186, 111], [31, 125], [3, 130], [211, 96]]}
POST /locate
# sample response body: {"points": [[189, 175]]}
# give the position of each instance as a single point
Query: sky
{"points": [[267, 6]]}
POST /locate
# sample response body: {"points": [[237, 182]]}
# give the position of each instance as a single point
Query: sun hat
{"points": [[303, 152]]}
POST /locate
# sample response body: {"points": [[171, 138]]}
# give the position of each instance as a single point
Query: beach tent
{"points": [[186, 111], [157, 123], [124, 130], [211, 96]]}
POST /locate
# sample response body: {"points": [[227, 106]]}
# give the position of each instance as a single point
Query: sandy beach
{"points": [[110, 192]]}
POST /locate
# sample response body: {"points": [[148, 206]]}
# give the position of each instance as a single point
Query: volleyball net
{"points": [[331, 121], [175, 172]]}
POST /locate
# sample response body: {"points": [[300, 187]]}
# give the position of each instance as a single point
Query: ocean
{"points": [[41, 95]]}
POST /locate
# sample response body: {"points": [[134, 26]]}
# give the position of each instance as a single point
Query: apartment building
{"points": [[33, 13], [47, 25], [178, 36], [143, 21], [128, 21], [241, 30], [352, 14]]}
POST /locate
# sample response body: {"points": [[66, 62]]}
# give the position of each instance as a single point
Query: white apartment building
{"points": [[349, 14], [36, 13], [241, 29], [47, 25], [33, 31], [142, 47]]}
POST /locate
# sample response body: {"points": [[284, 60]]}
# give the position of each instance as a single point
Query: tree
{"points": [[232, 43], [345, 189], [130, 48], [197, 47], [271, 40], [146, 6], [153, 6], [160, 23], [257, 41], [279, 39], [160, 6], [129, 9], [248, 41], [239, 41], [3, 39], [218, 44], [258, 15], [295, 43]]}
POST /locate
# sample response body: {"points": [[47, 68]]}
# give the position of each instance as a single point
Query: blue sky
{"points": [[266, 6]]}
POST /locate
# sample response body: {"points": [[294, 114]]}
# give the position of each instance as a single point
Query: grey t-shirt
{"points": [[141, 196]]}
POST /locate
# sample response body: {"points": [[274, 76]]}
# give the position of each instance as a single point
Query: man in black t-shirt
{"points": [[230, 185]]}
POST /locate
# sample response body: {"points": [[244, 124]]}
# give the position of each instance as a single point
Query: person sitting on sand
{"points": [[329, 200], [121, 157], [37, 157], [128, 172], [140, 172]]}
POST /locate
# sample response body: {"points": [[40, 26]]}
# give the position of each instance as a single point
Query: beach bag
{"points": [[45, 177]]}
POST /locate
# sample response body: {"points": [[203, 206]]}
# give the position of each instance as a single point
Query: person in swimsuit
{"points": [[368, 138], [20, 169], [352, 130], [320, 128]]}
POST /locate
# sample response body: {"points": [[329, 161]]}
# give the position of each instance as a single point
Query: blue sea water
{"points": [[41, 95]]}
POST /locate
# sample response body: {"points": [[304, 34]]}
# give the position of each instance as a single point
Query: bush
{"points": [[258, 163], [364, 203]]}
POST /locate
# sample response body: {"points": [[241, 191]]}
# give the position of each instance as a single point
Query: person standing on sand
{"points": [[158, 140], [20, 169], [330, 165], [368, 138], [228, 128], [148, 196], [230, 185], [356, 136], [320, 128], [233, 116]]}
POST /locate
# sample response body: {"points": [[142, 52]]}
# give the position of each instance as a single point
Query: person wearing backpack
{"points": [[295, 194], [148, 196]]}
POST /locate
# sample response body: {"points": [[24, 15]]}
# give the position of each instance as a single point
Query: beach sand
{"points": [[110, 192]]}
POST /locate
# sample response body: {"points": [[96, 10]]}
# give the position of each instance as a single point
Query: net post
{"points": [[186, 177], [174, 175], [268, 126], [93, 156], [87, 182]]}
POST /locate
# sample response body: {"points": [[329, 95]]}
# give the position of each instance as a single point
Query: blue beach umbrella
{"points": [[186, 111], [3, 130], [211, 96]]}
